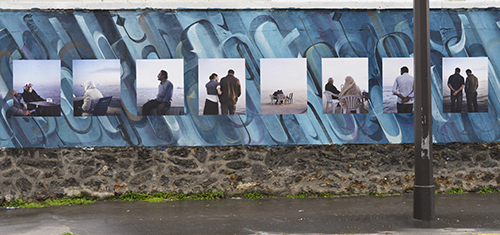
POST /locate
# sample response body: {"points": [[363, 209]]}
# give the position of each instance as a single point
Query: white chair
{"points": [[281, 99], [272, 98], [329, 100], [352, 103], [289, 98]]}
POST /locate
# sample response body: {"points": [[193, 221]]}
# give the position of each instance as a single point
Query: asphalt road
{"points": [[455, 214]]}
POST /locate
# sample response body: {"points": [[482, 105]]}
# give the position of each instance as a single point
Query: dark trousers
{"points": [[211, 108], [456, 103], [471, 101], [405, 108], [153, 104], [227, 109]]}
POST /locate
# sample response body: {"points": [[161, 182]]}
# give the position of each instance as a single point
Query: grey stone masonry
{"points": [[37, 174]]}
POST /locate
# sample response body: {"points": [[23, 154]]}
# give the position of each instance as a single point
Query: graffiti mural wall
{"points": [[282, 98]]}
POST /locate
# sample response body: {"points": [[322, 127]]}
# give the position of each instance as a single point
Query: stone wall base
{"points": [[38, 174]]}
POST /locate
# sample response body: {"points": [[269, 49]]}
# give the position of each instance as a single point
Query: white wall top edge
{"points": [[239, 4]]}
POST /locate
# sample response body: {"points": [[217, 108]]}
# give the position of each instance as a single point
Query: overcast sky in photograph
{"points": [[147, 72], [391, 69], [289, 75], [101, 72], [478, 65], [37, 72]]}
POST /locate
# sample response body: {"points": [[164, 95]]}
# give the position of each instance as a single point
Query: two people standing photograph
{"points": [[474, 83], [226, 92], [457, 85]]}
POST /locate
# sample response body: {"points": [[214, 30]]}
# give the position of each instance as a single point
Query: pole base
{"points": [[423, 203]]}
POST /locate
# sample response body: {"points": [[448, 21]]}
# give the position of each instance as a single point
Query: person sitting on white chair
{"points": [[349, 89], [331, 94]]}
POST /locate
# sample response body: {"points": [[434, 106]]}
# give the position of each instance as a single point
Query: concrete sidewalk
{"points": [[455, 214]]}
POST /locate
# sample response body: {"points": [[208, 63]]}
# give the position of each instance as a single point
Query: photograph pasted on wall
{"points": [[465, 84], [221, 86], [155, 87], [96, 87], [283, 85], [37, 88], [345, 85], [398, 85]]}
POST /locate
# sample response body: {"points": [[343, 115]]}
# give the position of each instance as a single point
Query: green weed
{"points": [[68, 201], [22, 204], [253, 195], [79, 199], [180, 196], [155, 199], [456, 191], [160, 196], [17, 203], [326, 195], [132, 196], [485, 190]]}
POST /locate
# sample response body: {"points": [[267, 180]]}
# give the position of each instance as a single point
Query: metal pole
{"points": [[423, 197]]}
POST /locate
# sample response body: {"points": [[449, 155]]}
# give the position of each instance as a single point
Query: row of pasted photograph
{"points": [[222, 89], [159, 87], [464, 85]]}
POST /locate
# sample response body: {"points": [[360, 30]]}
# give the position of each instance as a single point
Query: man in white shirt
{"points": [[403, 89]]}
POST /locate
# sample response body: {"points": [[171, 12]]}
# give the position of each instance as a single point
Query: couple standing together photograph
{"points": [[456, 84], [226, 92]]}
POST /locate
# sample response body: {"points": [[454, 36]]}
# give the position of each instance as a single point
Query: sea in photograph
{"points": [[106, 90], [389, 100], [299, 105], [482, 100]]}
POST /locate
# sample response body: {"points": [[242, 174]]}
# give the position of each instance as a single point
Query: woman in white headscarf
{"points": [[349, 88], [91, 97]]}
